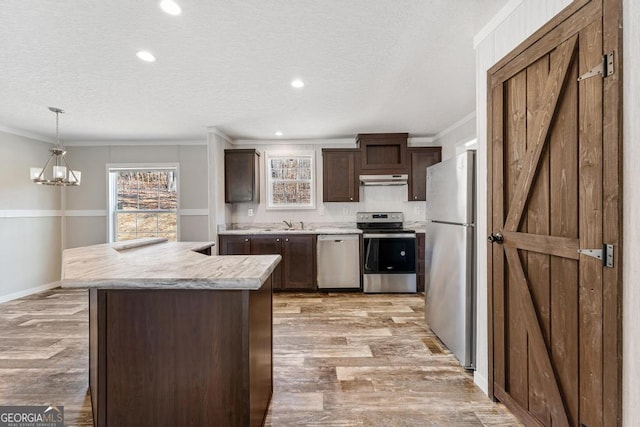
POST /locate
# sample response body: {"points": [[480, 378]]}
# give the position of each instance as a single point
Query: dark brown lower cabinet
{"points": [[180, 357], [269, 245], [299, 256], [234, 245], [420, 262], [296, 271]]}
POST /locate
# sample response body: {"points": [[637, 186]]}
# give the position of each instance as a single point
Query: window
{"points": [[290, 181], [143, 202]]}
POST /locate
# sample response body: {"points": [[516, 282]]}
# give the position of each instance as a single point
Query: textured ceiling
{"points": [[368, 65]]}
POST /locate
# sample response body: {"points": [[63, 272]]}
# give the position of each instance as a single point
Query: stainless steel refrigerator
{"points": [[450, 278]]}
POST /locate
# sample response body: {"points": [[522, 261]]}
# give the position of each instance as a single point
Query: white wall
{"points": [[372, 198], [86, 206], [501, 36], [454, 138], [220, 213], [30, 220], [631, 213]]}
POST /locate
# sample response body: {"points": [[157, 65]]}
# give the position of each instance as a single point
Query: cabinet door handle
{"points": [[351, 198], [277, 240], [415, 197], [246, 240], [286, 240]]}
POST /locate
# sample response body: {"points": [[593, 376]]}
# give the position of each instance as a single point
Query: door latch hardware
{"points": [[605, 254], [604, 68], [496, 238]]}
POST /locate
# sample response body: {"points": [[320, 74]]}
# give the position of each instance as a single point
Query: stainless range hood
{"points": [[384, 179]]}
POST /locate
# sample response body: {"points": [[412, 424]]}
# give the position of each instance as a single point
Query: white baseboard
{"points": [[481, 382], [27, 292]]}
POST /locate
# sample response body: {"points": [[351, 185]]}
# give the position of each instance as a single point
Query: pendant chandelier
{"points": [[60, 173]]}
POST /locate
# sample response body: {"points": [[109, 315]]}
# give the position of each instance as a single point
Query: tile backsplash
{"points": [[372, 198]]}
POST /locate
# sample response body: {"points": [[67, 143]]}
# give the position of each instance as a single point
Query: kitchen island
{"points": [[176, 337]]}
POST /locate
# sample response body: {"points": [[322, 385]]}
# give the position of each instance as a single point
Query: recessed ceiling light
{"points": [[278, 133], [171, 7], [146, 56], [297, 83]]}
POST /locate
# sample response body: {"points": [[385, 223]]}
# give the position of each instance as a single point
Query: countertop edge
{"points": [[245, 284], [294, 232]]}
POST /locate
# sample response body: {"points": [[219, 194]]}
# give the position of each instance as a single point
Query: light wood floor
{"points": [[339, 360]]}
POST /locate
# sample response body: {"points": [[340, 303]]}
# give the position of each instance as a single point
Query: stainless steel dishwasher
{"points": [[338, 261]]}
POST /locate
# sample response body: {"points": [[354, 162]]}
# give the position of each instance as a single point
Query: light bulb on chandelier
{"points": [[60, 173]]}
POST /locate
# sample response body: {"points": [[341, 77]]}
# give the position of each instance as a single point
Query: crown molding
{"points": [[133, 142], [454, 126], [26, 134], [214, 130], [319, 141], [417, 141], [495, 22]]}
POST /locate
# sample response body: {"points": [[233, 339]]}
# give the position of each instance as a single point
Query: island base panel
{"points": [[180, 357]]}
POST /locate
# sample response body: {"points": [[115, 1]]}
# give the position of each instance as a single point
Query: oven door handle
{"points": [[390, 236], [366, 257]]}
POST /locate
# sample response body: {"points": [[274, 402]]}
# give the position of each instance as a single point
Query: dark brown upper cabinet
{"points": [[383, 153], [340, 172], [419, 159], [241, 176]]}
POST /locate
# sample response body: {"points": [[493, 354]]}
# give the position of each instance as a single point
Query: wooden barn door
{"points": [[551, 186]]}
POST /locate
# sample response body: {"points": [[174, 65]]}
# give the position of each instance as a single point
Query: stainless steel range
{"points": [[389, 258]]}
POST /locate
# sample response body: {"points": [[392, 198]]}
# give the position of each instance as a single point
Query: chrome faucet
{"points": [[301, 225], [288, 223]]}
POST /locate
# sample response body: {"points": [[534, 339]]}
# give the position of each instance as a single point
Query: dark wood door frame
{"points": [[611, 188]]}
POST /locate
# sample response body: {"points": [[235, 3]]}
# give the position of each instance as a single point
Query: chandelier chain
{"points": [[57, 111]]}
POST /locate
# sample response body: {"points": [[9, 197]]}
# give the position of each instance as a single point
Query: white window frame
{"points": [[269, 155], [112, 193]]}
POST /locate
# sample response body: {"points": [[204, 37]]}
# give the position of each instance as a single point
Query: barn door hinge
{"points": [[604, 68], [605, 254]]}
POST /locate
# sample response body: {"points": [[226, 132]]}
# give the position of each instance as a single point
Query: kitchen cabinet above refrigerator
{"points": [[419, 159]]}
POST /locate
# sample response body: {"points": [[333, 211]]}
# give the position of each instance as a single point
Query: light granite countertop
{"points": [[311, 228], [283, 231], [270, 228], [155, 263]]}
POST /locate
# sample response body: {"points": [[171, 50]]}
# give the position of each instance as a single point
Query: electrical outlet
{"points": [[250, 212]]}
